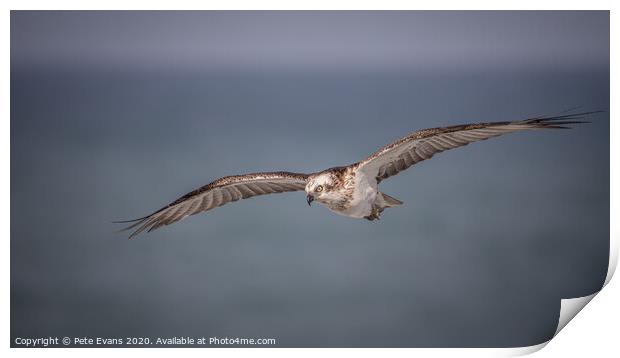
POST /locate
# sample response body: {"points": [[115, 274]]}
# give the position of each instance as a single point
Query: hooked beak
{"points": [[310, 199]]}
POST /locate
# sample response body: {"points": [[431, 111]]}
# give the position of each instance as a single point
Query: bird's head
{"points": [[320, 187]]}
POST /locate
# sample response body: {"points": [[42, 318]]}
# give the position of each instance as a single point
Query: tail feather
{"points": [[388, 201]]}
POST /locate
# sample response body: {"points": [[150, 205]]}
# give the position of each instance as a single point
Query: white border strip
{"points": [[569, 307]]}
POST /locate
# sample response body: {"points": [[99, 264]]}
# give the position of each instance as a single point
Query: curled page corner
{"points": [[522, 351], [570, 307]]}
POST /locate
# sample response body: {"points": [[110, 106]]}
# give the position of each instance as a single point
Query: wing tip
{"points": [[129, 221], [559, 122], [139, 223]]}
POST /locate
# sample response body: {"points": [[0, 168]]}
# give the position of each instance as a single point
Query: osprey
{"points": [[350, 190]]}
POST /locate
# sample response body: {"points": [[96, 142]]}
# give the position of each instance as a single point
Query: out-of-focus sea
{"points": [[490, 237]]}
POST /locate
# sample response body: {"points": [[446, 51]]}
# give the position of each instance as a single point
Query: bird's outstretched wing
{"points": [[218, 193], [423, 144]]}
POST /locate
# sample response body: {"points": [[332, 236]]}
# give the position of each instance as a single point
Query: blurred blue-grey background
{"points": [[114, 114]]}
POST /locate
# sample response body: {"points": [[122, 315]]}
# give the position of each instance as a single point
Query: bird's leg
{"points": [[374, 214]]}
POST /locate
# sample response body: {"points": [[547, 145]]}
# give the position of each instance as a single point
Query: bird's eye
{"points": [[319, 189]]}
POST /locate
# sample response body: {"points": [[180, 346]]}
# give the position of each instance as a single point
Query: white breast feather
{"points": [[363, 197]]}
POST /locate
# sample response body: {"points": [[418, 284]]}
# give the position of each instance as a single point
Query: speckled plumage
{"points": [[348, 190]]}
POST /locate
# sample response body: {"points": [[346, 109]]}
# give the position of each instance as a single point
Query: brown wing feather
{"points": [[421, 145], [218, 193]]}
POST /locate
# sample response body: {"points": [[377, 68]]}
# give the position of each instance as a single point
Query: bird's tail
{"points": [[386, 201]]}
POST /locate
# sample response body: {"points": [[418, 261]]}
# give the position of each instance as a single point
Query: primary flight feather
{"points": [[349, 190]]}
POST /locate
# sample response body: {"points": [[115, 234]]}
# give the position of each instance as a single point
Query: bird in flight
{"points": [[350, 190]]}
